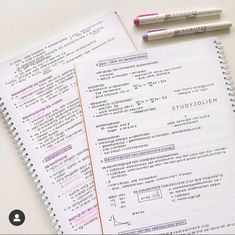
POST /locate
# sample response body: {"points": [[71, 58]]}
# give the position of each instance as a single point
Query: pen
{"points": [[168, 33], [156, 18]]}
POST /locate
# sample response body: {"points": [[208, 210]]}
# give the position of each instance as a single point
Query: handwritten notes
{"points": [[161, 133], [39, 90]]}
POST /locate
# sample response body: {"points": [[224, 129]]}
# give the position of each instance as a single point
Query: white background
{"points": [[27, 23]]}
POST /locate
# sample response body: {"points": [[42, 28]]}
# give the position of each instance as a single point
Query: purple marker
{"points": [[169, 33]]}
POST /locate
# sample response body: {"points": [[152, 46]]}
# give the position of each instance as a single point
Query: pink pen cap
{"points": [[136, 21], [140, 19]]}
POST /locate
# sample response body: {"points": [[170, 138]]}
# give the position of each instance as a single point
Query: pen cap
{"points": [[145, 19], [156, 34]]}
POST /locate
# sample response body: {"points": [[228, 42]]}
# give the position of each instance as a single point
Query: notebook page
{"points": [[160, 129], [39, 90]]}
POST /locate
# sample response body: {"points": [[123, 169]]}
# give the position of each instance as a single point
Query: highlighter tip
{"points": [[136, 21]]}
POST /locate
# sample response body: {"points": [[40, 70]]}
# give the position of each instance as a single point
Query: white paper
{"points": [[39, 90], [160, 128]]}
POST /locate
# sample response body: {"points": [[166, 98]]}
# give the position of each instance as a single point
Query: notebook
{"points": [[160, 126], [39, 101]]}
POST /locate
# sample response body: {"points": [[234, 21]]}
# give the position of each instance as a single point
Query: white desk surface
{"points": [[26, 23]]}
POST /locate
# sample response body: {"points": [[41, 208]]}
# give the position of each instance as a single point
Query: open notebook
{"points": [[160, 126], [39, 101]]}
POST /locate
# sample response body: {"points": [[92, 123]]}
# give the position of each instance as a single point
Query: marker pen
{"points": [[169, 33], [156, 18]]}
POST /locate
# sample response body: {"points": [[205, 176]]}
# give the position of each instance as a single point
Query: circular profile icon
{"points": [[17, 217]]}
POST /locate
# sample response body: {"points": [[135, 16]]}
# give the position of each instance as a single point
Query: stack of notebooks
{"points": [[133, 143]]}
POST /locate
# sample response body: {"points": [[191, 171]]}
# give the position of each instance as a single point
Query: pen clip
{"points": [[155, 30], [149, 14]]}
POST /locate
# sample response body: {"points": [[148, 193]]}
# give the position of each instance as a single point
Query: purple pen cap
{"points": [[145, 36]]}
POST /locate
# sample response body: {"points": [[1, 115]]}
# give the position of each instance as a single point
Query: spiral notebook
{"points": [[160, 126], [40, 104]]}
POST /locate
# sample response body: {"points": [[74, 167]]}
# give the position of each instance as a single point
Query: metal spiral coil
{"points": [[29, 166], [226, 74]]}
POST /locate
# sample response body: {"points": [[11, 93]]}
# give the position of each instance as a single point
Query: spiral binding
{"points": [[226, 74], [29, 166]]}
